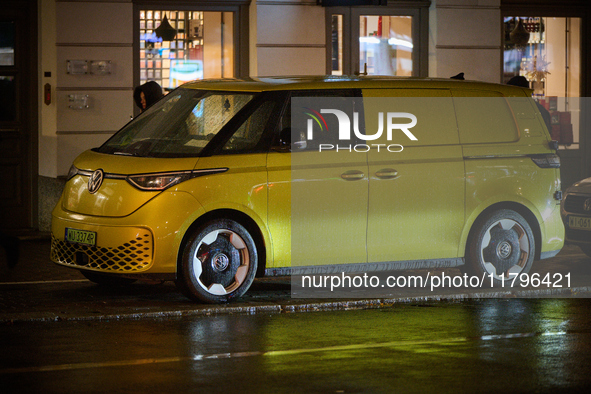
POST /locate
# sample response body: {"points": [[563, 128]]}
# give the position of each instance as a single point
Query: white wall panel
{"points": [[109, 110], [469, 27], [73, 145], [291, 61], [121, 66], [476, 64], [290, 24], [94, 22]]}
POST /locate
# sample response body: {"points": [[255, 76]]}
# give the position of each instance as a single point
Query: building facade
{"points": [[71, 65]]}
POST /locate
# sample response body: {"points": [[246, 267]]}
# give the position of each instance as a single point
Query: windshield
{"points": [[179, 125]]}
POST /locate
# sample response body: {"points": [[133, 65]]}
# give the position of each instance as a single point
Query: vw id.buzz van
{"points": [[217, 183]]}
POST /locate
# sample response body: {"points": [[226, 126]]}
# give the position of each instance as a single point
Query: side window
{"points": [[310, 106], [484, 117], [209, 115], [248, 135]]}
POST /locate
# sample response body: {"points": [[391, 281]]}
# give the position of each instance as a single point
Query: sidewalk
{"points": [[34, 264], [38, 290]]}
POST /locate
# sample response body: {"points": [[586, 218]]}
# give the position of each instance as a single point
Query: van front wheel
{"points": [[219, 262], [501, 246]]}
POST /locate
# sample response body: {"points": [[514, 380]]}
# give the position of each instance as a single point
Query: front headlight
{"points": [[164, 180], [72, 173], [158, 182]]}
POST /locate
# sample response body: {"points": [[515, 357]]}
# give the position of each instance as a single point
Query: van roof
{"points": [[259, 84]]}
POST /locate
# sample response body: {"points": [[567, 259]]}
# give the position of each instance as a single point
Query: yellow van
{"points": [[225, 180]]}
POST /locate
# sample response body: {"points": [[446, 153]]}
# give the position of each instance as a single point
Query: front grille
{"points": [[134, 255], [578, 235], [576, 204]]}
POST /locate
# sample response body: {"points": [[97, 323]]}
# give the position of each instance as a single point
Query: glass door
{"points": [[18, 116], [385, 45], [376, 41]]}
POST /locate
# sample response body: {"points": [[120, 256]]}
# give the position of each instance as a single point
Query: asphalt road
{"points": [[487, 346], [38, 290]]}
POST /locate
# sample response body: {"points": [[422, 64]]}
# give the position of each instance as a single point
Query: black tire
{"points": [[218, 263], [586, 249], [500, 244], [106, 279]]}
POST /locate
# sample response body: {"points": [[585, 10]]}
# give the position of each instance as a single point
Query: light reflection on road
{"points": [[493, 345]]}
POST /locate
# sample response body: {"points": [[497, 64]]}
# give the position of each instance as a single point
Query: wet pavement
{"points": [[38, 290], [472, 346]]}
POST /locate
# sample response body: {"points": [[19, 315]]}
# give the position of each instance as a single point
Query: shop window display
{"points": [[546, 51], [194, 45]]}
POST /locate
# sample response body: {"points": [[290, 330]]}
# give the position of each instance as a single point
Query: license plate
{"points": [[580, 223], [80, 236]]}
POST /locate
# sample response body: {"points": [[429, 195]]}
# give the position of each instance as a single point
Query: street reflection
{"points": [[508, 345]]}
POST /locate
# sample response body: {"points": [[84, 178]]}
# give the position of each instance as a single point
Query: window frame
{"points": [[240, 37], [576, 163], [419, 10]]}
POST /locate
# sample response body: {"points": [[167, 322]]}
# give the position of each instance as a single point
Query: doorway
{"points": [[377, 41], [18, 115]]}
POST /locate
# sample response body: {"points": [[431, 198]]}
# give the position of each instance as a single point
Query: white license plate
{"points": [[80, 236], [580, 223]]}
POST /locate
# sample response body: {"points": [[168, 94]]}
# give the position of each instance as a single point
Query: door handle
{"points": [[353, 175], [387, 173]]}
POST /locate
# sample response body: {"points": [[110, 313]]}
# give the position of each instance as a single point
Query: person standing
{"points": [[147, 94]]}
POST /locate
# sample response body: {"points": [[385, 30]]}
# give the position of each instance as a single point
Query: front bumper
{"points": [[146, 242], [126, 249]]}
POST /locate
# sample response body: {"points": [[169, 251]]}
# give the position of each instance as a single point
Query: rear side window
{"points": [[307, 104], [484, 117]]}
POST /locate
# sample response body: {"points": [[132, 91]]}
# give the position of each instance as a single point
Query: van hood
{"points": [[583, 187], [115, 197]]}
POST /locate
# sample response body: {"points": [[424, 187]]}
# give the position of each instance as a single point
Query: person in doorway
{"points": [[147, 94]]}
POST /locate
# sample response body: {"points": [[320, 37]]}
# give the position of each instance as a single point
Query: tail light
{"points": [[550, 160]]}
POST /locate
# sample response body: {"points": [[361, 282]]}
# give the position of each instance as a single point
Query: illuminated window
{"points": [[377, 40], [200, 46], [547, 52], [385, 45]]}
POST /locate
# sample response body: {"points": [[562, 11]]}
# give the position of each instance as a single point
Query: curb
{"points": [[300, 306]]}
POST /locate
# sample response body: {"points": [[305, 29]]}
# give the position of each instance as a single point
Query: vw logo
{"points": [[220, 262], [95, 181], [587, 205]]}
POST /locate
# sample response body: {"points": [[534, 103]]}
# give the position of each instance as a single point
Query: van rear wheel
{"points": [[501, 246], [219, 262]]}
